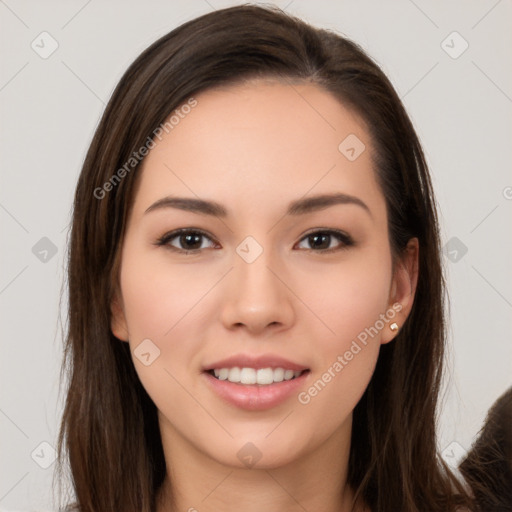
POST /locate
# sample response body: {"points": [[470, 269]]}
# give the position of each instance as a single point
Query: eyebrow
{"points": [[297, 207]]}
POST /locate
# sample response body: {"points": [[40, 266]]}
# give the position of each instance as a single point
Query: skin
{"points": [[254, 148]]}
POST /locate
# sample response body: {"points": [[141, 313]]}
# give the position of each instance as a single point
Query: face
{"points": [[260, 339]]}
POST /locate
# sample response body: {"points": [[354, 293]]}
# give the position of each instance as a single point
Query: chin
{"points": [[257, 452]]}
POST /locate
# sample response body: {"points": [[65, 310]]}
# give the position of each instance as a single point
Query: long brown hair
{"points": [[109, 427]]}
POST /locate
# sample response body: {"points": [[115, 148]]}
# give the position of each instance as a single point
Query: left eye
{"points": [[320, 241]]}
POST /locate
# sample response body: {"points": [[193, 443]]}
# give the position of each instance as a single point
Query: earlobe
{"points": [[403, 289], [117, 320]]}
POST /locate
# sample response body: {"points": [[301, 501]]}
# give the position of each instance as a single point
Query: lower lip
{"points": [[255, 397]]}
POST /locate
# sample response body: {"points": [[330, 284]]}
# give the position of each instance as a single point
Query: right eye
{"points": [[189, 241]]}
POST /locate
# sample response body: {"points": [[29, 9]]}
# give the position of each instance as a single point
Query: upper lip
{"points": [[256, 362]]}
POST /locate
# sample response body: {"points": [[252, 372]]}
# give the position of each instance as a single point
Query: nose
{"points": [[257, 298]]}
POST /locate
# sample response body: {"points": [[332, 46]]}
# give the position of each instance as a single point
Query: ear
{"points": [[403, 288], [118, 324]]}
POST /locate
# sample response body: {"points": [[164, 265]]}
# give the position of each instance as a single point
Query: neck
{"points": [[195, 482]]}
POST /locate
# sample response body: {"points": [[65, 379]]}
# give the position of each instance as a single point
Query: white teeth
{"points": [[278, 375], [288, 374], [248, 376], [262, 376], [234, 374], [265, 376]]}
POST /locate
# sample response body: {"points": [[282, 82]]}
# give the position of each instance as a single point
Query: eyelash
{"points": [[344, 238]]}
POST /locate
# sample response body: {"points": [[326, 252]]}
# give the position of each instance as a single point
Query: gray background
{"points": [[50, 106]]}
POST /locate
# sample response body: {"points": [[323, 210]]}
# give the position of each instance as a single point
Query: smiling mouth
{"points": [[252, 376]]}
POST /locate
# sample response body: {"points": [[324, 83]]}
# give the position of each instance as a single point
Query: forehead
{"points": [[261, 140]]}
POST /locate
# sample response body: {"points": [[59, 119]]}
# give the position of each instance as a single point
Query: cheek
{"points": [[348, 297], [351, 301], [157, 297], [167, 304], [162, 305]]}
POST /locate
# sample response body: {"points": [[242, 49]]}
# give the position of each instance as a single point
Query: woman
{"points": [[255, 286]]}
